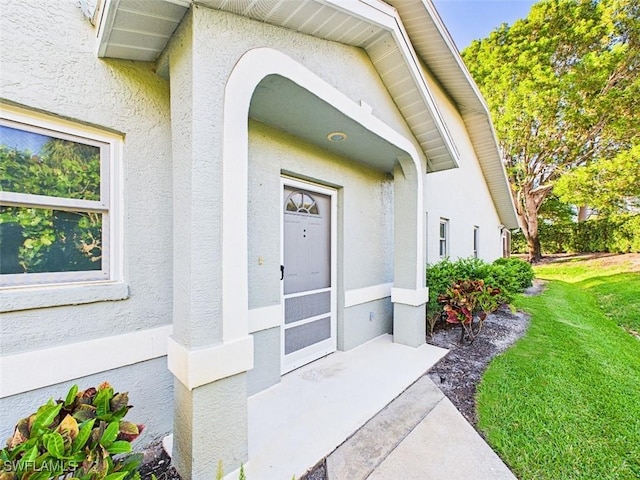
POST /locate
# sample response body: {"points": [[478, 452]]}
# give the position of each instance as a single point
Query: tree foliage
{"points": [[609, 185], [562, 86]]}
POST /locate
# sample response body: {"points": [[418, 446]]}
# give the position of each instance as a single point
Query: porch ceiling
{"points": [[283, 104]]}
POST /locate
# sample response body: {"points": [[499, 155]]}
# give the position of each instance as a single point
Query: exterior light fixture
{"points": [[337, 137]]}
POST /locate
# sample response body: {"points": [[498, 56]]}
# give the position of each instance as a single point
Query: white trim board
{"points": [[26, 298], [27, 371], [415, 298], [249, 71], [265, 318], [367, 294], [200, 366]]}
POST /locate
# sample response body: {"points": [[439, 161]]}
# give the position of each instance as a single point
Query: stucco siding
{"points": [[171, 257], [48, 63], [365, 224], [460, 195], [55, 69], [364, 322], [365, 211], [266, 369]]}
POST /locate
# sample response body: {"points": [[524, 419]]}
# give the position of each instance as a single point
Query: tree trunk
{"points": [[583, 213], [527, 205], [535, 251]]}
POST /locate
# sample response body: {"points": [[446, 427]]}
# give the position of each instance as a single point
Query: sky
{"points": [[468, 20]]}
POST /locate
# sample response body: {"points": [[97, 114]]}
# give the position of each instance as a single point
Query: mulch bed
{"points": [[460, 371], [457, 375], [157, 462]]}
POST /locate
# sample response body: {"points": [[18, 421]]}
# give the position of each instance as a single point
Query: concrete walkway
{"points": [[372, 414], [314, 409], [418, 436]]}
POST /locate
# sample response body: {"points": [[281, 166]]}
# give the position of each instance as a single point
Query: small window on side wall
{"points": [[476, 241], [55, 201], [444, 237]]}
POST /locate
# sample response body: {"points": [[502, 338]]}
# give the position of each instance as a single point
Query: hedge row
{"points": [[618, 234]]}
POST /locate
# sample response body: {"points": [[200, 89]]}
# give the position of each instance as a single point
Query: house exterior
{"points": [[265, 182]]}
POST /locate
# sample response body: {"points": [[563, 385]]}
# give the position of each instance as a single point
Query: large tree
{"points": [[563, 88]]}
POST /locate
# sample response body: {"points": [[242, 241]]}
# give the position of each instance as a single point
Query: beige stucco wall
{"points": [[48, 62]]}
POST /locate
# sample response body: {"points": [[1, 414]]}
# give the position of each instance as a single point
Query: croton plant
{"points": [[83, 436], [468, 303]]}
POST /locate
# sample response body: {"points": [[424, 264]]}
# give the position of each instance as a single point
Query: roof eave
{"points": [[421, 19], [429, 129]]}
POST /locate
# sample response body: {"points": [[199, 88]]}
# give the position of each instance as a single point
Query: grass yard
{"points": [[564, 402]]}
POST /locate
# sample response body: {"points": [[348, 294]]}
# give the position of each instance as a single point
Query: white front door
{"points": [[308, 274]]}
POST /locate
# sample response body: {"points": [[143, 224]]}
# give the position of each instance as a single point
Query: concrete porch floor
{"points": [[315, 408]]}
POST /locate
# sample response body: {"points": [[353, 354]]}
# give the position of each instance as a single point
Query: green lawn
{"points": [[564, 402], [615, 286]]}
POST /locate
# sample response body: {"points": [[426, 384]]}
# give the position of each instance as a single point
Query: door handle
{"points": [[281, 272]]}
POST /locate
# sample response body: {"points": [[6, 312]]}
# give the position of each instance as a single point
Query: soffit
{"points": [[138, 29], [371, 25]]}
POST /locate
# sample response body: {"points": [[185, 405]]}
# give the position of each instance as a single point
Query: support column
{"points": [[210, 349], [409, 294]]}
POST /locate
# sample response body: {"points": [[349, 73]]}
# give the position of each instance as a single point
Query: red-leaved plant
{"points": [[468, 303]]}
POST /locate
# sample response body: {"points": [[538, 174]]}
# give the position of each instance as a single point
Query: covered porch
{"points": [[295, 424]]}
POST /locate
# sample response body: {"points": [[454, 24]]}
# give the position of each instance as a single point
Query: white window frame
{"points": [[476, 241], [110, 145], [443, 239]]}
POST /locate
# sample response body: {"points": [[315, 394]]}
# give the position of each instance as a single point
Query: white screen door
{"points": [[308, 290]]}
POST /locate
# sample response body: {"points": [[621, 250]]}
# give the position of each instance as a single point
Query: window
{"points": [[55, 201], [476, 241], [444, 237], [301, 202]]}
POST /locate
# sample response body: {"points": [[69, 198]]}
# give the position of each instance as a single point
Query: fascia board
{"points": [[105, 25]]}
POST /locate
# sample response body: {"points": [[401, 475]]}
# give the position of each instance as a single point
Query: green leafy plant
{"points": [[83, 436], [468, 303], [506, 276], [441, 275], [519, 272]]}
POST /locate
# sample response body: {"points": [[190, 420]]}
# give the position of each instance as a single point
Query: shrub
{"points": [[618, 233], [509, 276], [441, 275], [468, 303], [519, 273], [83, 436]]}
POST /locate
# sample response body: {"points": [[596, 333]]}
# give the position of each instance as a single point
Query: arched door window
{"points": [[301, 202]]}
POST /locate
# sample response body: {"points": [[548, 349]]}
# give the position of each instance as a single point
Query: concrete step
{"points": [[366, 449]]}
